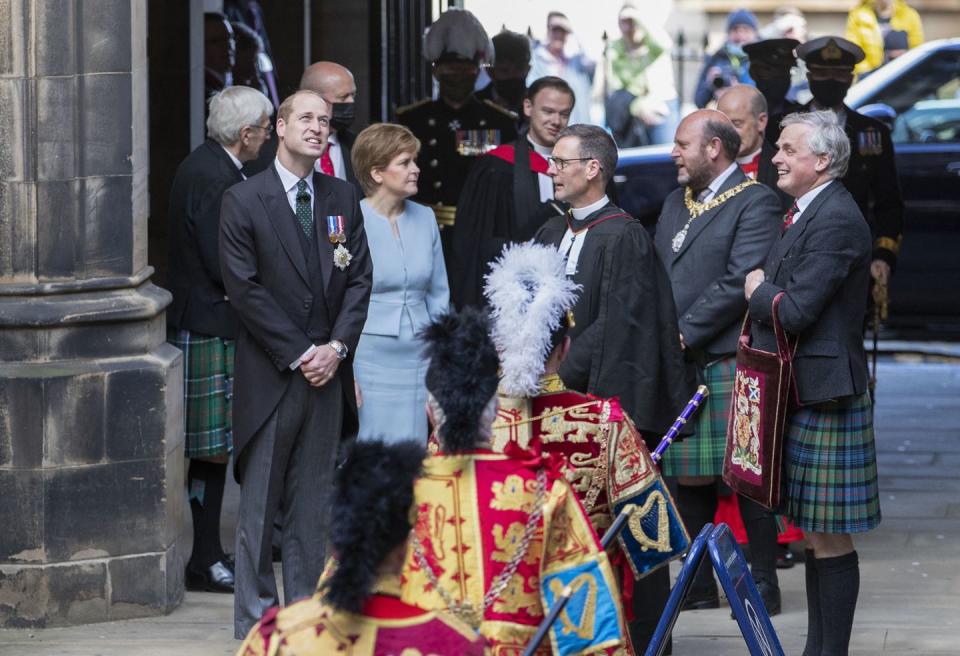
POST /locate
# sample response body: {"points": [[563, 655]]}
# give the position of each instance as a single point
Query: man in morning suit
{"points": [[712, 231], [871, 176], [746, 108], [821, 265], [201, 321], [624, 340], [296, 267]]}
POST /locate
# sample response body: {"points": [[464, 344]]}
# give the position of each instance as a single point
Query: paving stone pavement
{"points": [[910, 586]]}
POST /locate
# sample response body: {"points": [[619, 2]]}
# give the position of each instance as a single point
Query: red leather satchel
{"points": [[756, 428]]}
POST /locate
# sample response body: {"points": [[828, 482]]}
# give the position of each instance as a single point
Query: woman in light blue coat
{"points": [[409, 285]]}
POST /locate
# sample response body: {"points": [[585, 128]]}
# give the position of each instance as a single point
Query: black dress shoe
{"points": [[770, 594], [701, 600], [216, 578], [785, 558]]}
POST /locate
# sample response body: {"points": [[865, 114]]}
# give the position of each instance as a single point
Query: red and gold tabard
{"points": [[386, 627], [497, 539], [607, 463]]}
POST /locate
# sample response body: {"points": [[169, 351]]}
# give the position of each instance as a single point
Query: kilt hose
{"points": [[701, 454], [830, 467], [207, 392]]}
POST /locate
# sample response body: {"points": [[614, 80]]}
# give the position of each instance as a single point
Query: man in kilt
{"points": [[821, 265], [201, 322], [713, 230]]}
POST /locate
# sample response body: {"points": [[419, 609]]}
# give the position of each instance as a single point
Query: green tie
{"points": [[304, 213]]}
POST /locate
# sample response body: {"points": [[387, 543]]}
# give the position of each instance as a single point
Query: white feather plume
{"points": [[529, 295], [457, 31]]}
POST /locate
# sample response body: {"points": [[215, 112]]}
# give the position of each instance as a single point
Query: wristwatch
{"points": [[339, 347]]}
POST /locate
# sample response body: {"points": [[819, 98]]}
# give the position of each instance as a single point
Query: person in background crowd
{"points": [[250, 13], [786, 23], [508, 194], [869, 23], [409, 284], [895, 44], [821, 265], [871, 177], [336, 85], [297, 269], [512, 521], [357, 610], [712, 231], [624, 340], [728, 65], [563, 57], [455, 129], [246, 71], [219, 53], [508, 73], [746, 108], [640, 81], [772, 63], [201, 321]]}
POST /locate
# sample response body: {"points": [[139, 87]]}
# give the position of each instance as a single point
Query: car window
{"points": [[927, 101]]}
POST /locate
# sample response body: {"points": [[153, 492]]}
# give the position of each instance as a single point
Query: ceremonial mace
{"points": [[692, 406]]}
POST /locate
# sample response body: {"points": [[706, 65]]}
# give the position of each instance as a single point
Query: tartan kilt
{"points": [[207, 392], [830, 467], [702, 454]]}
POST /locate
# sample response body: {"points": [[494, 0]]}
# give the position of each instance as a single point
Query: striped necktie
{"points": [[304, 211]]}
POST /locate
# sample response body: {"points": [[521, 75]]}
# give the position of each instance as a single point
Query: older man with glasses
{"points": [[624, 342], [201, 322]]}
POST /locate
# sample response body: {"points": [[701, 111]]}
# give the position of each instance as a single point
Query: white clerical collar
{"points": [[804, 201], [749, 158], [289, 180], [718, 181], [581, 213], [546, 151], [233, 158]]}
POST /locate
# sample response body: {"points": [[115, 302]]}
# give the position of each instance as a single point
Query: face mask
{"points": [[828, 93], [341, 115], [456, 88], [511, 90], [774, 90]]}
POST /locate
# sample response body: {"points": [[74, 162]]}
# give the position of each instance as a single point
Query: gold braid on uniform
{"points": [[889, 243]]}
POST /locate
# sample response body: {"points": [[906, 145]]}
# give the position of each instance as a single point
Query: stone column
{"points": [[91, 438]]}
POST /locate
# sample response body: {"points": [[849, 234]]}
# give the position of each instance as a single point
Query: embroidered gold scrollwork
{"points": [[584, 628], [661, 542]]}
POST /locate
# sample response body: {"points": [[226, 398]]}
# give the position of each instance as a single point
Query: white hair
{"points": [[825, 137], [233, 109]]}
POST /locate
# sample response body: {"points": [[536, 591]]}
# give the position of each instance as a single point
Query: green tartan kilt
{"points": [[701, 454], [207, 392], [830, 467]]}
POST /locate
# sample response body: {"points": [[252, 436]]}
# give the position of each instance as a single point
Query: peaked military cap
{"points": [[830, 52], [777, 53]]}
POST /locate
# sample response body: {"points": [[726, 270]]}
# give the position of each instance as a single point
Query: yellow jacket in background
{"points": [[864, 30]]}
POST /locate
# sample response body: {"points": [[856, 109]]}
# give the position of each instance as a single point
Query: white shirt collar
{"points": [[581, 213], [546, 151], [289, 180], [804, 201], [749, 158], [233, 158], [332, 139], [718, 181]]}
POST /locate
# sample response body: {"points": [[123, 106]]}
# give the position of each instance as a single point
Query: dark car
{"points": [[918, 95]]}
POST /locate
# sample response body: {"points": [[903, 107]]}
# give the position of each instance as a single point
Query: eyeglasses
{"points": [[268, 127], [561, 163]]}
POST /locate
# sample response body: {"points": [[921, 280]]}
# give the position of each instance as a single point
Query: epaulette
{"points": [[407, 108], [502, 110]]}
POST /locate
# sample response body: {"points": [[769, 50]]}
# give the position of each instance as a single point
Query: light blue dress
{"points": [[409, 292]]}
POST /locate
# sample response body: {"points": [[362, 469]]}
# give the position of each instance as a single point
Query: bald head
{"points": [[332, 81], [706, 143], [747, 110]]}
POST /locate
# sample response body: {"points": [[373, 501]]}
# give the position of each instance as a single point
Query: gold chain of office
{"points": [[696, 208]]}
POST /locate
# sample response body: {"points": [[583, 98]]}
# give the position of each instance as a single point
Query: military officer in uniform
{"points": [[771, 66], [456, 128], [871, 176]]}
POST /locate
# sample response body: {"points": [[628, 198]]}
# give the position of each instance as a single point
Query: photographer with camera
{"points": [[729, 65]]}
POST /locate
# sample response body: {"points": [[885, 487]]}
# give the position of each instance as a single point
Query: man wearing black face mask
{"points": [[771, 62], [871, 176], [335, 83], [508, 74], [455, 129]]}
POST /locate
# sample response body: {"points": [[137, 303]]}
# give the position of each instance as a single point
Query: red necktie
{"points": [[788, 217], [326, 163]]}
